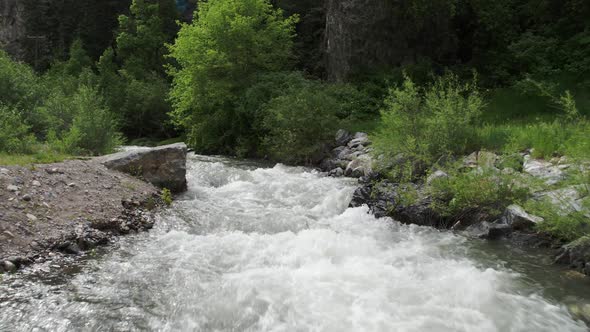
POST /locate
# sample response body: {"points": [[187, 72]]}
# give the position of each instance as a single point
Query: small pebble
{"points": [[31, 217], [27, 198], [36, 183]]}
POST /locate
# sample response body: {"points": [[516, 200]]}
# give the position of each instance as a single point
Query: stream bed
{"points": [[261, 248]]}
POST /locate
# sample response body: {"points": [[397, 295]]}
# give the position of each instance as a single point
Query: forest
{"points": [[275, 80]]}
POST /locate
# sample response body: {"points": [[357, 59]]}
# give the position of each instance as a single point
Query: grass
{"points": [[43, 155]]}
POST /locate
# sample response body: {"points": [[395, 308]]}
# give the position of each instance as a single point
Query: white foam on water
{"points": [[277, 249]]}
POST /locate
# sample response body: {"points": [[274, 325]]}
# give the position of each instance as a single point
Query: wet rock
{"points": [[489, 231], [27, 198], [343, 137], [359, 167], [337, 172], [576, 254], [163, 166], [517, 218]]}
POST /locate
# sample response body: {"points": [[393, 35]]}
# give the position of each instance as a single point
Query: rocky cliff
{"points": [[12, 27]]}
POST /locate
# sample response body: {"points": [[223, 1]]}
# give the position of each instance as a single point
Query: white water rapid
{"points": [[277, 249]]}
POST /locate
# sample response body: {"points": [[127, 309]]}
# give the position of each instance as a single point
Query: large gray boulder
{"points": [[163, 166]]}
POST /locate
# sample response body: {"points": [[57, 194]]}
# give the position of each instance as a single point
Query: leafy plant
{"points": [[167, 196]]}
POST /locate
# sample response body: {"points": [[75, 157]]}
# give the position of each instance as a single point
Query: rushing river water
{"points": [[277, 249]]}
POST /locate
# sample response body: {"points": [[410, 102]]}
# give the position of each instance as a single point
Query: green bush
{"points": [[475, 192], [93, 129], [15, 136], [220, 56], [299, 124], [426, 124], [567, 226], [19, 86]]}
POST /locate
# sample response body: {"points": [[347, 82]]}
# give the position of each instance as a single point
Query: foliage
{"points": [[484, 191], [15, 137], [299, 124], [93, 128], [424, 125], [19, 86], [132, 77], [220, 56], [167, 196], [568, 226]]}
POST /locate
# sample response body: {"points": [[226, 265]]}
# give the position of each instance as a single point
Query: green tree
{"points": [[219, 56], [132, 75]]}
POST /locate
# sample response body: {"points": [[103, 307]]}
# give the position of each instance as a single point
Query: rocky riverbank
{"points": [[351, 157], [48, 211]]}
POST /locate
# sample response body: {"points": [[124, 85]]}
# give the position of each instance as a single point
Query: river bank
{"points": [[56, 210], [495, 185]]}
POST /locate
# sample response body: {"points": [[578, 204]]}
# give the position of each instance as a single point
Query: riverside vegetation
{"points": [[238, 80]]}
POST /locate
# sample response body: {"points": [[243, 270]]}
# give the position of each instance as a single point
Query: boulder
{"points": [[576, 255], [163, 166], [566, 200], [517, 218], [489, 231], [343, 137], [543, 169], [359, 167], [360, 139]]}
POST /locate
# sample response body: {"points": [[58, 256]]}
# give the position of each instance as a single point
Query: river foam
{"points": [[277, 249]]}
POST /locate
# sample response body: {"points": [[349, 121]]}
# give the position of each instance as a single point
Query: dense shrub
{"points": [[15, 136], [300, 123], [423, 125], [220, 55], [93, 129], [476, 192]]}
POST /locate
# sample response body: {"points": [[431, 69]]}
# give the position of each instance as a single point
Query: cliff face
{"points": [[360, 33], [12, 27], [370, 34]]}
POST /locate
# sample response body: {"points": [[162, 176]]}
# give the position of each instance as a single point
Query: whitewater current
{"points": [[253, 248]]}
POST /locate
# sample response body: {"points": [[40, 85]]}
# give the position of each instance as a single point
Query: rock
{"points": [[484, 159], [360, 139], [543, 170], [71, 185], [566, 200], [576, 254], [343, 137], [4, 171], [36, 183], [337, 172], [435, 176], [163, 166], [489, 231], [517, 218], [8, 266], [359, 167], [31, 217], [8, 234], [53, 171], [27, 198], [12, 188]]}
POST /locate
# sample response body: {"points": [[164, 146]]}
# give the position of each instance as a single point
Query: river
{"points": [[252, 248]]}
